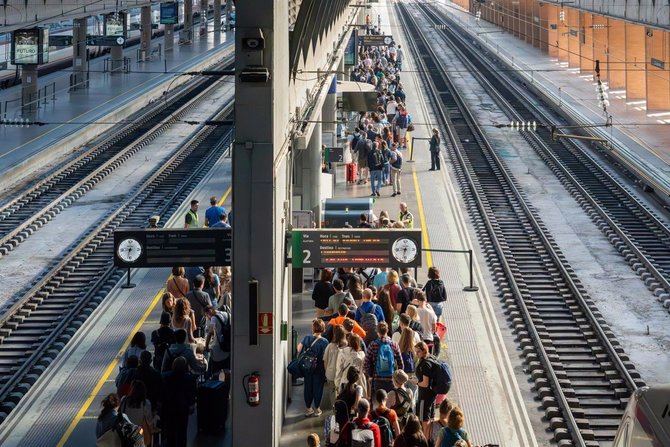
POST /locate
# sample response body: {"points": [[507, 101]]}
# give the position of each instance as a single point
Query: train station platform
{"points": [[475, 346], [640, 139], [62, 407], [77, 116]]}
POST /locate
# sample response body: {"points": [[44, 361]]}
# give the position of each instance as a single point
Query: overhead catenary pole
{"points": [[261, 203]]}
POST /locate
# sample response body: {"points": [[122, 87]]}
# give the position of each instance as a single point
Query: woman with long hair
{"points": [[138, 344], [351, 355], [212, 284], [393, 288], [177, 283], [181, 319], [411, 436], [331, 354], [138, 409], [108, 415], [384, 300], [168, 302]]}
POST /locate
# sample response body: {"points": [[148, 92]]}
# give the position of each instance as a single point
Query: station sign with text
{"points": [[356, 248], [30, 46], [372, 40], [166, 247]]}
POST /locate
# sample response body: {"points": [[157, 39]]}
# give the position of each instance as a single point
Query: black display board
{"points": [[165, 247], [373, 40], [356, 248], [30, 46]]}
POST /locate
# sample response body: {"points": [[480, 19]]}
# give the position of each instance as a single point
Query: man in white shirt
{"points": [[427, 317], [400, 56], [391, 108]]}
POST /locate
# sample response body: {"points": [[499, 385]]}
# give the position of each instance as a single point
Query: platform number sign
{"points": [[356, 248]]}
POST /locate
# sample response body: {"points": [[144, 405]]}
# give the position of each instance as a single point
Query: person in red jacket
{"points": [[361, 428]]}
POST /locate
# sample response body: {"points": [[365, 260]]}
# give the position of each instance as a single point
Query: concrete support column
{"points": [[574, 37], [617, 54], [79, 53], [116, 55], [311, 173], [187, 31], [29, 87], [586, 63], [145, 36], [169, 38], [545, 27], [562, 35], [203, 17], [261, 200], [329, 112], [658, 79], [552, 30], [217, 16], [600, 44], [636, 77]]}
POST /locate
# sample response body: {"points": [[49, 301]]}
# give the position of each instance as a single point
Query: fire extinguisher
{"points": [[252, 388]]}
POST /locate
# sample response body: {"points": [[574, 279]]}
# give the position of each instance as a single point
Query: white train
{"points": [[646, 422]]}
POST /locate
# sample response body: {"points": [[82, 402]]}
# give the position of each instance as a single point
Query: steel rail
{"points": [[564, 404], [158, 117], [91, 243], [539, 143]]}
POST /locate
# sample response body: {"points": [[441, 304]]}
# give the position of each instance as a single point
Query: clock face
{"points": [[129, 250], [388, 40], [404, 250]]}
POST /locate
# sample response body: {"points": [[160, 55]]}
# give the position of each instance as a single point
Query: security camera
{"points": [[254, 40]]}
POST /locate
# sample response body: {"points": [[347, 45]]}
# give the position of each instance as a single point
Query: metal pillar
{"points": [[187, 31], [169, 37], [311, 173], [29, 86], [203, 17], [145, 36], [117, 59], [217, 16], [79, 54], [261, 199]]}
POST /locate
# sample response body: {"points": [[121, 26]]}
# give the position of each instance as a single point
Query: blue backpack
{"points": [[385, 362]]}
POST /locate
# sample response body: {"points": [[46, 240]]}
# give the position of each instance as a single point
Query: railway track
{"points": [[22, 216], [40, 323], [581, 375], [640, 235]]}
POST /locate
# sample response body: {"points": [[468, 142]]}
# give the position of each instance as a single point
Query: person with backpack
{"points": [[368, 315], [382, 360], [400, 398], [435, 291], [433, 378], [405, 295], [386, 418], [376, 161], [138, 344], [396, 169], [212, 285], [124, 379], [138, 409], [360, 432], [180, 348], [438, 424], [218, 331], [401, 122], [454, 430], [337, 298], [331, 355], [406, 340], [411, 435], [162, 338], [110, 425], [351, 355], [311, 349]]}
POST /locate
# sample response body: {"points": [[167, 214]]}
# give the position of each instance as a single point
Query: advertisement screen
{"points": [[169, 13], [25, 47], [115, 25]]}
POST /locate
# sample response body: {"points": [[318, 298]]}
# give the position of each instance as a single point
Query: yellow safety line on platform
{"points": [[225, 196], [108, 372], [422, 219]]}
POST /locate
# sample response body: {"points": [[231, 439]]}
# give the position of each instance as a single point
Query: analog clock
{"points": [[129, 250], [404, 250]]}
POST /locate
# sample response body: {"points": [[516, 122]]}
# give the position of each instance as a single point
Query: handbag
{"points": [[410, 127], [129, 433]]}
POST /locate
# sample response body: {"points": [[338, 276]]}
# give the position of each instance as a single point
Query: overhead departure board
{"points": [[356, 248], [165, 247]]}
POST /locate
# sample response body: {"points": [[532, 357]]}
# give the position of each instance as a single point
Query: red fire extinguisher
{"points": [[252, 388]]}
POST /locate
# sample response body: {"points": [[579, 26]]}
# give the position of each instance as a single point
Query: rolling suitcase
{"points": [[212, 405], [352, 169]]}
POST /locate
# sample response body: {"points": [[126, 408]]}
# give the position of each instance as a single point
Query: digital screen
{"points": [[25, 47], [169, 13], [373, 40], [356, 248], [173, 247], [115, 25]]}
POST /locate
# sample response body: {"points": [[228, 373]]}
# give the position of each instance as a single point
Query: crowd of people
{"points": [[379, 138], [373, 355], [158, 389]]}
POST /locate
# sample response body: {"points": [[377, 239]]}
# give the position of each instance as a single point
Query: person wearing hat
{"points": [[191, 218], [162, 338]]}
